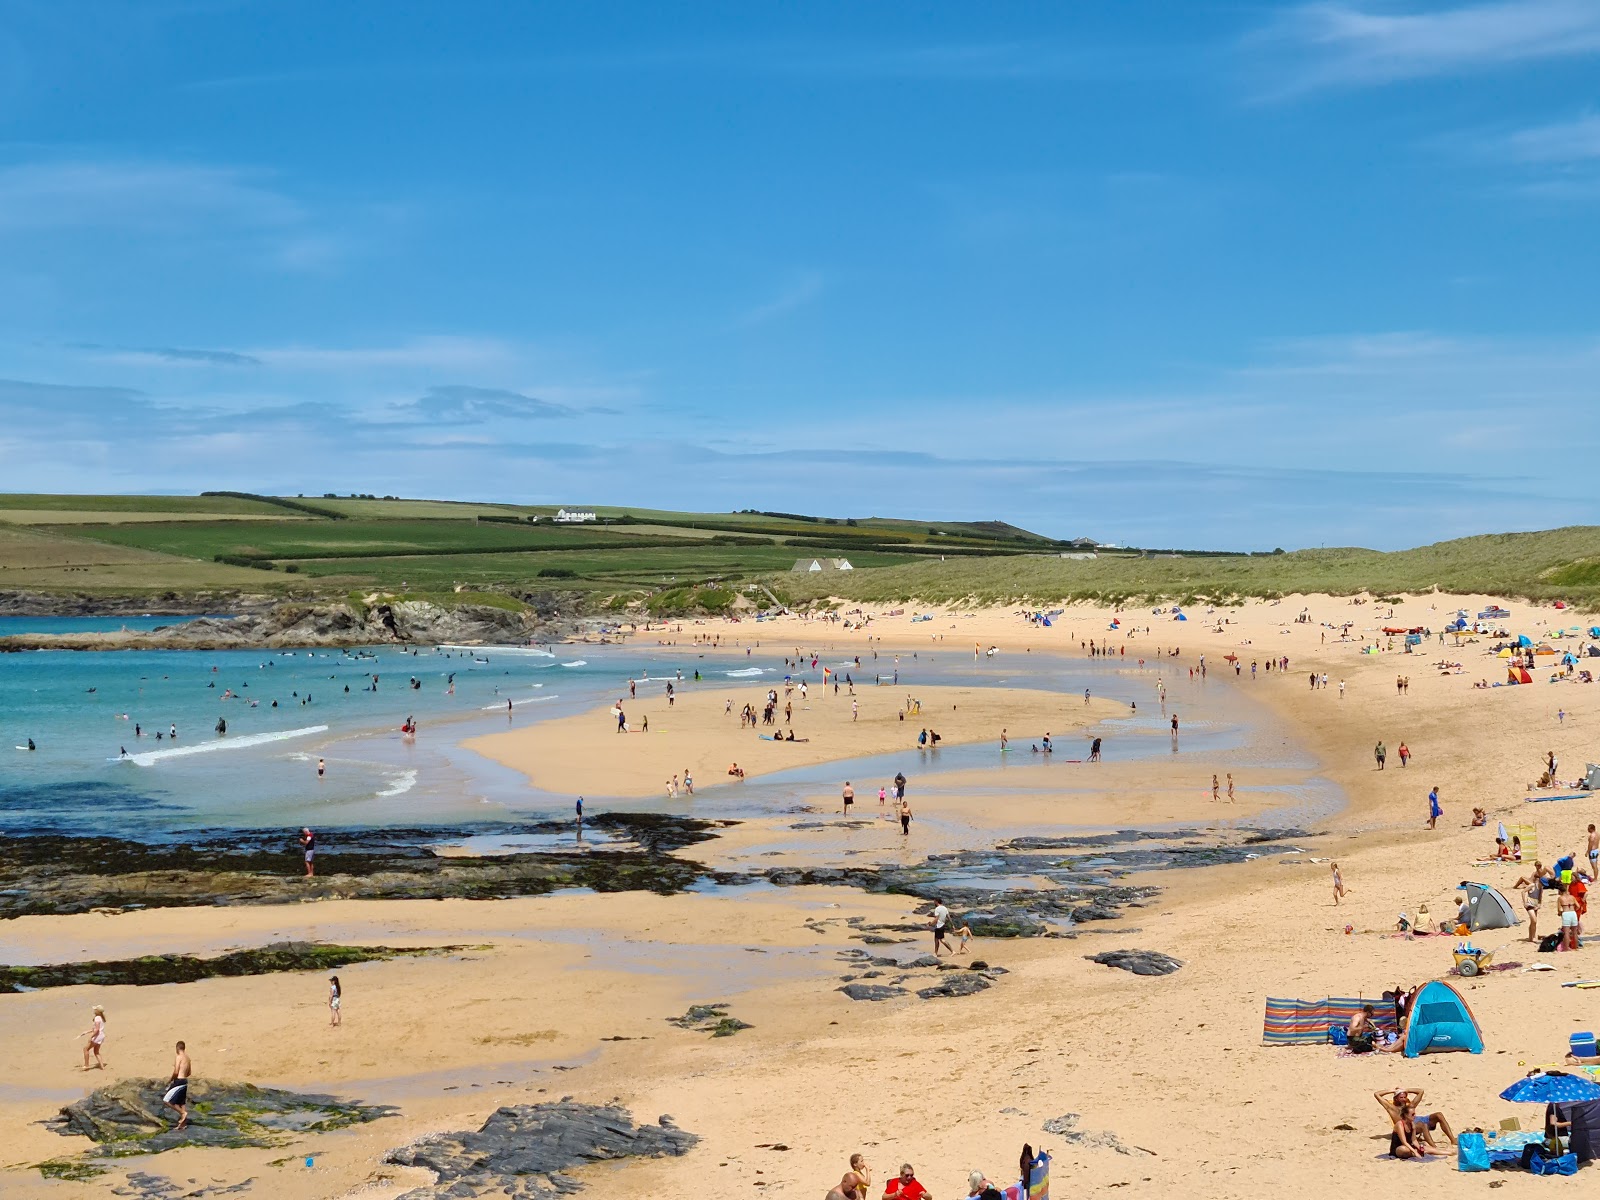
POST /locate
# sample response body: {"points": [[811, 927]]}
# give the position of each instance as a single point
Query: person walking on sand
{"points": [[941, 926], [849, 797], [1338, 886], [1434, 811], [882, 796], [96, 1033], [308, 843], [1380, 754], [1532, 896], [905, 818], [1230, 787], [1405, 754], [855, 710], [176, 1095], [335, 995], [1216, 788]]}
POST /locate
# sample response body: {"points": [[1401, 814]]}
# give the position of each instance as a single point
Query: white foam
{"points": [[577, 662], [748, 671], [402, 783], [151, 757], [524, 650], [518, 703]]}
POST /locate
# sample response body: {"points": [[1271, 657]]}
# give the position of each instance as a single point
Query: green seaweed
{"points": [[74, 1170]]}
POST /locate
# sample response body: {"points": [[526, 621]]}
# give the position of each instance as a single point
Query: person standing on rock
{"points": [[176, 1095], [335, 995], [308, 843], [96, 1033]]}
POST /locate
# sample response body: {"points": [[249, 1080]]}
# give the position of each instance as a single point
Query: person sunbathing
{"points": [[1401, 1107], [1479, 818]]}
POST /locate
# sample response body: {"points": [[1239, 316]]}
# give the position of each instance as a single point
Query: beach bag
{"points": [[1471, 1152], [1338, 1036], [1549, 942]]}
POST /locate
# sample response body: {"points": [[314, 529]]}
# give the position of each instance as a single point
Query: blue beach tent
{"points": [[1441, 1020]]}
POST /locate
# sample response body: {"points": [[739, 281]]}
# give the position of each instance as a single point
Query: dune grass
{"points": [[1549, 565]]}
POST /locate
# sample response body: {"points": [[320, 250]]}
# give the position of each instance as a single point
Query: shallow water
{"points": [[81, 709]]}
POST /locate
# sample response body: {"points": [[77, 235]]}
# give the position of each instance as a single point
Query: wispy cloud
{"points": [[801, 291], [138, 195], [1355, 44], [466, 405], [1558, 143], [142, 356], [438, 353]]}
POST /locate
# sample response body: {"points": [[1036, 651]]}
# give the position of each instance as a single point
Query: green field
{"points": [[316, 544]]}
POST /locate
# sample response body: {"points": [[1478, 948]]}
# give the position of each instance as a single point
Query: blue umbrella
{"points": [[1552, 1088]]}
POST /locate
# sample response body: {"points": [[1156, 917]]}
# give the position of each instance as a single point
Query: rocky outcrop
{"points": [[1140, 962], [185, 968], [524, 1150], [308, 623], [128, 1117]]}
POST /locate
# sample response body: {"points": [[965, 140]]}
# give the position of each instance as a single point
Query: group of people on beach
{"points": [[904, 1185], [895, 791]]}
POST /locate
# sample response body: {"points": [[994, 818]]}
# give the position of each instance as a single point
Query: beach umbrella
{"points": [[1552, 1087]]}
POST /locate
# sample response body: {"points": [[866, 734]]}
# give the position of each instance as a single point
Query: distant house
{"points": [[574, 517], [822, 564]]}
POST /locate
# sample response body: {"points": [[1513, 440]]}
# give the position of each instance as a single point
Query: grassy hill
{"points": [[242, 541], [237, 542], [1549, 565]]}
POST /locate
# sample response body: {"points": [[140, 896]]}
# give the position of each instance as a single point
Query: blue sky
{"points": [[1186, 273]]}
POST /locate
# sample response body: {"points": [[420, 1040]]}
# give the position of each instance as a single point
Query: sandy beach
{"points": [[1174, 1067]]}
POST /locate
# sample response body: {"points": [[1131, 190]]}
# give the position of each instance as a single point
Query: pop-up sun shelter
{"points": [[1441, 1020], [1487, 908]]}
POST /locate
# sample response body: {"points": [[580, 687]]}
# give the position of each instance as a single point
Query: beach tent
{"points": [[1180, 617], [1441, 1020], [1487, 908], [1504, 654], [1523, 676], [1523, 640]]}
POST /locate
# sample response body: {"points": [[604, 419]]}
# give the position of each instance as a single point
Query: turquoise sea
{"points": [[285, 709]]}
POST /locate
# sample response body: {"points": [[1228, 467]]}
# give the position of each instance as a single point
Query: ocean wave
{"points": [[519, 703], [577, 662], [526, 651], [746, 673], [150, 757], [401, 784]]}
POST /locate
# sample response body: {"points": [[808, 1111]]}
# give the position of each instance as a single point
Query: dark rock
{"points": [[183, 968], [524, 1150], [1140, 962], [127, 1117], [921, 960], [977, 964], [871, 991], [710, 1018], [955, 985]]}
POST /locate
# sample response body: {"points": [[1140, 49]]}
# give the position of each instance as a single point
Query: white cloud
{"points": [[1356, 44], [440, 353]]}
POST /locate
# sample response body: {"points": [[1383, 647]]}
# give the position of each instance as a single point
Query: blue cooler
{"points": [[1583, 1046]]}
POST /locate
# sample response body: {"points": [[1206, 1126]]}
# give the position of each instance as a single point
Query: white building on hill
{"points": [[574, 517]]}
